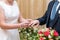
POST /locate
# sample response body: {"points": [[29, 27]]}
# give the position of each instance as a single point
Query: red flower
{"points": [[46, 33], [40, 32], [41, 38], [56, 33]]}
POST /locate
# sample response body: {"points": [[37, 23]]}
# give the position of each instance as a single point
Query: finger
{"points": [[37, 24], [30, 23], [33, 24], [25, 22], [25, 25]]}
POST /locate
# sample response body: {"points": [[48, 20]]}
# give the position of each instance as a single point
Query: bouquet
{"points": [[48, 34], [29, 34], [38, 34]]}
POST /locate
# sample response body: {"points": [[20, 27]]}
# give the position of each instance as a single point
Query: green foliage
{"points": [[29, 34], [32, 34]]}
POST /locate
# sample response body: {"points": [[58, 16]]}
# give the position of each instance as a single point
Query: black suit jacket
{"points": [[46, 17]]}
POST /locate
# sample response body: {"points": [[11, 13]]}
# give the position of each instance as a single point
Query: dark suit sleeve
{"points": [[43, 19]]}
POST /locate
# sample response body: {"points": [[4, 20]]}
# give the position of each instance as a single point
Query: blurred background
{"points": [[32, 8]]}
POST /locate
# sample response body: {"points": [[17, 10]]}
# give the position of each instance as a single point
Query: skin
{"points": [[34, 23], [3, 25]]}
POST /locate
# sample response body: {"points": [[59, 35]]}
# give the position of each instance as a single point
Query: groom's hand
{"points": [[34, 23]]}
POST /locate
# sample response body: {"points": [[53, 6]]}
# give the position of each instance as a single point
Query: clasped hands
{"points": [[29, 23]]}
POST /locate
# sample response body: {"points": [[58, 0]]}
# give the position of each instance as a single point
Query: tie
{"points": [[53, 12]]}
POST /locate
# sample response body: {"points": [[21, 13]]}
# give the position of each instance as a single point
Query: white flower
{"points": [[49, 36], [43, 30], [52, 32]]}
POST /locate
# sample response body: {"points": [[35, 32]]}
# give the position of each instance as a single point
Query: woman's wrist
{"points": [[19, 25]]}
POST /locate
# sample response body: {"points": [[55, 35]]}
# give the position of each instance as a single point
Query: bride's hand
{"points": [[24, 24]]}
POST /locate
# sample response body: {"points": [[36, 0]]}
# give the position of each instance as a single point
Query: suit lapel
{"points": [[48, 16]]}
